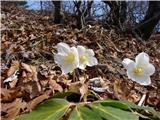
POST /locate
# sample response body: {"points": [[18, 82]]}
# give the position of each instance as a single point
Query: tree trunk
{"points": [[88, 10], [78, 14], [41, 4], [145, 28], [117, 14], [57, 10]]}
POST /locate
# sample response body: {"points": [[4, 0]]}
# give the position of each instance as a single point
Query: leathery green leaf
{"points": [[125, 105], [84, 113], [52, 109], [144, 108], [114, 103], [111, 113]]}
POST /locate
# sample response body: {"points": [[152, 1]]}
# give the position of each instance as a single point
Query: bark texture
{"points": [[145, 28], [57, 12]]}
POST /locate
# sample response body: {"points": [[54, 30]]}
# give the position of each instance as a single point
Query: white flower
{"points": [[66, 58], [140, 70], [86, 57]]}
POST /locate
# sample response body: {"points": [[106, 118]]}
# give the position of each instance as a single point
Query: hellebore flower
{"points": [[86, 57], [66, 58], [140, 70]]}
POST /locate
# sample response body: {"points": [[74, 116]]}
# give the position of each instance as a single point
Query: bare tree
{"points": [[78, 13], [41, 4], [82, 11], [145, 28], [117, 14], [57, 10], [88, 10]]}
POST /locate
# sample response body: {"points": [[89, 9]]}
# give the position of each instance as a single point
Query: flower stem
{"points": [[75, 75]]}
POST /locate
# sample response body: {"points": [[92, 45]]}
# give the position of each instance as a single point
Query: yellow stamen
{"points": [[83, 58], [138, 71], [70, 58]]}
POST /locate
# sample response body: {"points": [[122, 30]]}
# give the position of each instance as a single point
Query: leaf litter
{"points": [[30, 76]]}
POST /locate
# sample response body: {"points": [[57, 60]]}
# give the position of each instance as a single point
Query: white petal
{"points": [[63, 48], [59, 59], [142, 59], [74, 51], [130, 68], [150, 69], [81, 49], [75, 64], [143, 80], [67, 68], [126, 62], [76, 61], [90, 52], [92, 61], [82, 66], [130, 75]]}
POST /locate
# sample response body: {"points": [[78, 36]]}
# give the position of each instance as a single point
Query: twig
{"points": [[75, 75], [142, 100], [115, 47]]}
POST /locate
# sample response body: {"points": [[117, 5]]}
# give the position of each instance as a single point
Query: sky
{"points": [[35, 4], [32, 4]]}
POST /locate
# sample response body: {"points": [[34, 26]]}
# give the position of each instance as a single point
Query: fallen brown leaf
{"points": [[33, 103]]}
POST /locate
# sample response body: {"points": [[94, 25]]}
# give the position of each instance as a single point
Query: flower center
{"points": [[138, 71], [70, 58], [83, 58]]}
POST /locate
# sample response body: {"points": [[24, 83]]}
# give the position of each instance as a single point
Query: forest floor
{"points": [[28, 44]]}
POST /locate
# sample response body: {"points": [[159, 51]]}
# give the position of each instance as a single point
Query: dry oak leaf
{"points": [[54, 85], [5, 94], [33, 103], [83, 90], [32, 75], [74, 87], [14, 67], [28, 68], [12, 109], [33, 88], [118, 91]]}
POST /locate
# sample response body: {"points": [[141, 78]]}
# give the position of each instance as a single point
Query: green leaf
{"points": [[114, 103], [144, 108], [52, 109], [111, 113], [55, 109], [125, 105], [84, 113]]}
